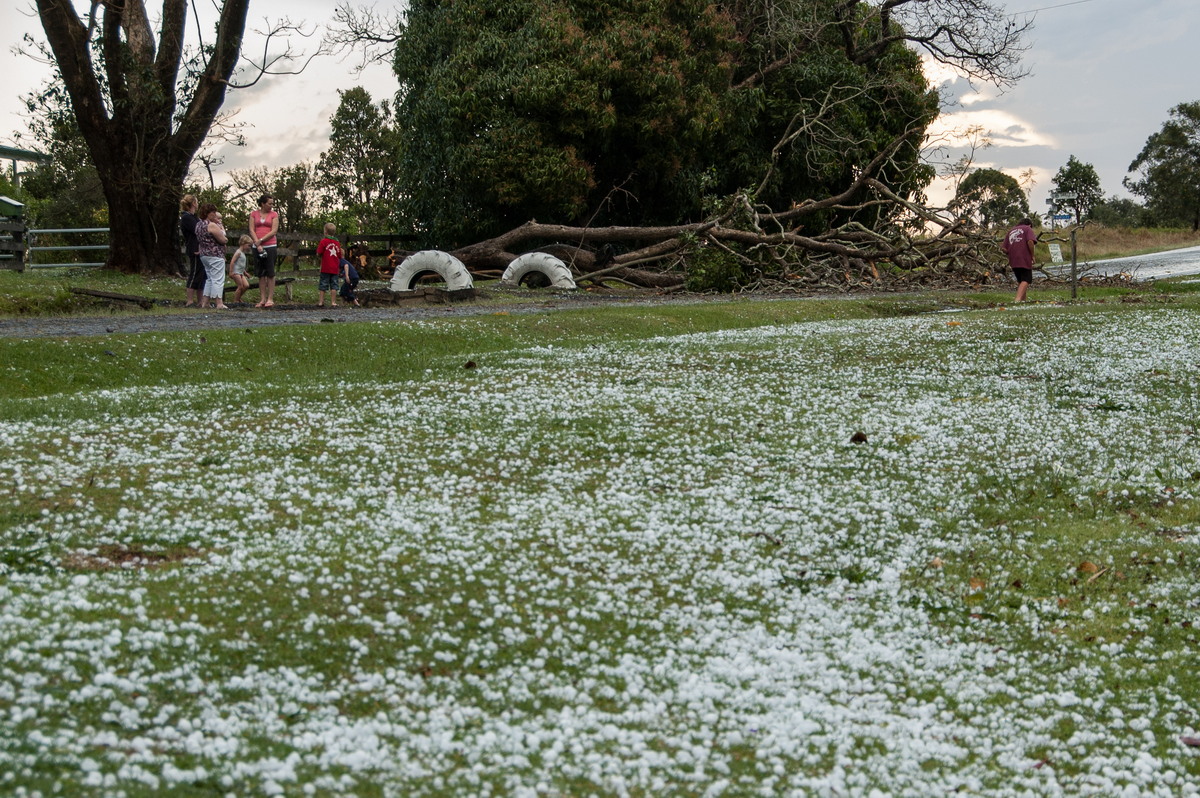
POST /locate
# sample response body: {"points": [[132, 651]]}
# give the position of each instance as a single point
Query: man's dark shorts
{"points": [[1023, 275], [196, 273], [266, 262]]}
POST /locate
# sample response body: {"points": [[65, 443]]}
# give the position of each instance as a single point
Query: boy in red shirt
{"points": [[330, 252]]}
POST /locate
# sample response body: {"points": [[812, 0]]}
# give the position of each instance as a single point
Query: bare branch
{"points": [[371, 33], [976, 37], [270, 63]]}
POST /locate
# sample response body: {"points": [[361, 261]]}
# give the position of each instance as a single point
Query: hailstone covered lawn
{"points": [[899, 557]]}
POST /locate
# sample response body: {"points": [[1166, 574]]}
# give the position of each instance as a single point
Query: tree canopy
{"points": [[1168, 169], [1080, 179], [544, 109], [360, 170], [648, 113], [991, 198], [1118, 212], [66, 191]]}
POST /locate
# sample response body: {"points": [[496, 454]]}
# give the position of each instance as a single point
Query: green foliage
{"points": [[549, 109], [991, 198], [713, 269], [345, 219], [295, 189], [1080, 179], [9, 189], [66, 192], [1169, 169], [360, 170], [1117, 212], [577, 111], [817, 117]]}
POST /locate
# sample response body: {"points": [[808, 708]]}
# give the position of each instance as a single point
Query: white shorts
{"points": [[214, 268]]}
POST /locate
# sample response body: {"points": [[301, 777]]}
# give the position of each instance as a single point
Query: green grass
{"points": [[47, 292], [643, 531]]}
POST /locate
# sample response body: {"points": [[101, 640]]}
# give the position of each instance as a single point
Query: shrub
{"points": [[710, 269]]}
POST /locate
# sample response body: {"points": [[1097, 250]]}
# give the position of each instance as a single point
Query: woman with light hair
{"points": [[194, 271]]}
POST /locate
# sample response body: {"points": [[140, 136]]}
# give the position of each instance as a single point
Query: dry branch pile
{"points": [[763, 249]]}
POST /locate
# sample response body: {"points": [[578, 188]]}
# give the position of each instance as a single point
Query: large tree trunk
{"points": [[144, 226]]}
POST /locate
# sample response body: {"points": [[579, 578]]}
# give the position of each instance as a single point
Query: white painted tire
{"points": [[554, 269], [449, 267]]}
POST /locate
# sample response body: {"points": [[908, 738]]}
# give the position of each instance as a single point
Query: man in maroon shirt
{"points": [[1019, 245]]}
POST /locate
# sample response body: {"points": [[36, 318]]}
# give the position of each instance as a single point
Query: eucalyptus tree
{"points": [[360, 169], [1079, 179], [145, 98], [1168, 169], [991, 198]]}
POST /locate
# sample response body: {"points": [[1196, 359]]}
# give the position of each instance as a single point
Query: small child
{"points": [[237, 267], [349, 282], [330, 252]]}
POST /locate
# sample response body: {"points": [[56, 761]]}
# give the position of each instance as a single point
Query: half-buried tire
{"points": [[448, 267], [542, 263]]}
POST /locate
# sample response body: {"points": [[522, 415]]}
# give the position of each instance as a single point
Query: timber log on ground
{"points": [[379, 297]]}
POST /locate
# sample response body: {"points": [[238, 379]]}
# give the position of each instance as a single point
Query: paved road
{"points": [[1175, 263]]}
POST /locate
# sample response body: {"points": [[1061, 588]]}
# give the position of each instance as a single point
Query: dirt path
{"points": [[243, 317]]}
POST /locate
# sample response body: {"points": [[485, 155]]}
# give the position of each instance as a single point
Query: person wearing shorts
{"points": [[264, 224], [237, 267], [349, 276], [1019, 245], [330, 252]]}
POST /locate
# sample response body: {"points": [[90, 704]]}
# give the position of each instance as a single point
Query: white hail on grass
{"points": [[646, 568]]}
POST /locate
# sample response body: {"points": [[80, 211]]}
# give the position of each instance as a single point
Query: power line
{"points": [[1048, 8]]}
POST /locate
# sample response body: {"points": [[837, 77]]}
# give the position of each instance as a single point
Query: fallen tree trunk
{"points": [[767, 246]]}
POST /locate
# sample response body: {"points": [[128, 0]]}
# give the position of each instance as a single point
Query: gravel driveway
{"points": [[242, 317]]}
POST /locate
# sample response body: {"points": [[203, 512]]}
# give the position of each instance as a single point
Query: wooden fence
{"points": [[19, 247], [12, 245]]}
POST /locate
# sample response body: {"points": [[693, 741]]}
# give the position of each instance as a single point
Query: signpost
{"points": [[1056, 202]]}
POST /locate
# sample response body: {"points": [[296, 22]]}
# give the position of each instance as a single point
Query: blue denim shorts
{"points": [[329, 282]]}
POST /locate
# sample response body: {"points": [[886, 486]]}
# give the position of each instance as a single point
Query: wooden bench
{"points": [[286, 282]]}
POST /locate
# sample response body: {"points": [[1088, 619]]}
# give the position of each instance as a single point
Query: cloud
{"points": [[1001, 128]]}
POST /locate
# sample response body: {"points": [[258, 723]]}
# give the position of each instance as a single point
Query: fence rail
{"points": [[19, 245], [32, 248]]}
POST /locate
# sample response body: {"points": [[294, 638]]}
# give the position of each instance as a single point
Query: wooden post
{"points": [[1074, 266], [17, 228]]}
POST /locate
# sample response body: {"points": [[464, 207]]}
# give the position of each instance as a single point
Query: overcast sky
{"points": [[1103, 76]]}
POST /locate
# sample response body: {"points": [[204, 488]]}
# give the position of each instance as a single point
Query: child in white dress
{"points": [[237, 267]]}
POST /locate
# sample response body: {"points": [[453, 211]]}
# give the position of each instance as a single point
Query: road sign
{"points": [[1056, 253], [1064, 197], [1063, 217]]}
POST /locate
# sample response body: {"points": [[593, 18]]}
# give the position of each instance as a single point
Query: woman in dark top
{"points": [[195, 270]]}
